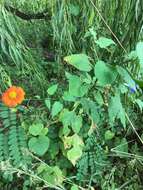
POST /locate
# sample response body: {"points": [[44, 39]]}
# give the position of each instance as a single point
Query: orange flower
{"points": [[13, 96]]}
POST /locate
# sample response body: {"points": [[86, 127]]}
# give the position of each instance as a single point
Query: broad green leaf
{"points": [[58, 175], [104, 42], [74, 187], [77, 141], [44, 167], [116, 110], [105, 73], [73, 141], [139, 51], [91, 109], [56, 108], [68, 97], [52, 89], [77, 123], [70, 119], [44, 131], [65, 130], [79, 61], [48, 103], [53, 175], [74, 154], [36, 129], [39, 145], [77, 88], [109, 135], [66, 117]]}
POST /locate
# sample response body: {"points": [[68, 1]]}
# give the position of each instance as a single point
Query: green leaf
{"points": [[44, 131], [104, 42], [77, 141], [66, 117], [77, 123], [39, 145], [109, 135], [116, 110], [68, 97], [74, 154], [70, 119], [54, 148], [79, 61], [139, 51], [77, 88], [125, 76], [48, 103], [105, 73], [36, 129], [74, 187], [58, 175], [91, 109], [56, 108], [42, 167], [86, 78], [52, 89], [77, 145], [53, 175]]}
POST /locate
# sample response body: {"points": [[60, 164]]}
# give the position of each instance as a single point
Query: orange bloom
{"points": [[13, 96]]}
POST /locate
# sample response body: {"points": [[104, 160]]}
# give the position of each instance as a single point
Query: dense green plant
{"points": [[12, 137], [80, 63]]}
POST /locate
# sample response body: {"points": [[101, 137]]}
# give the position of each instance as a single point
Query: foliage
{"points": [[80, 64], [13, 138]]}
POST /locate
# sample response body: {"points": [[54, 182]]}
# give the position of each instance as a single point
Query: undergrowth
{"points": [[80, 65]]}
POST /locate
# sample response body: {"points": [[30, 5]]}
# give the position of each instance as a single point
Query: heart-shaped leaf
{"points": [[39, 145]]}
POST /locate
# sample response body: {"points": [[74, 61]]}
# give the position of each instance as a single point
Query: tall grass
{"points": [[71, 29]]}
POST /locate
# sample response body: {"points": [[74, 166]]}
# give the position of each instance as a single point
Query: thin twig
{"points": [[134, 129]]}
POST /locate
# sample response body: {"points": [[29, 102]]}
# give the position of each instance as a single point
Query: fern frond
{"points": [[93, 159], [1, 147], [12, 138]]}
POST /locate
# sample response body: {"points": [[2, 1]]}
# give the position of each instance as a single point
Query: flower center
{"points": [[12, 94]]}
